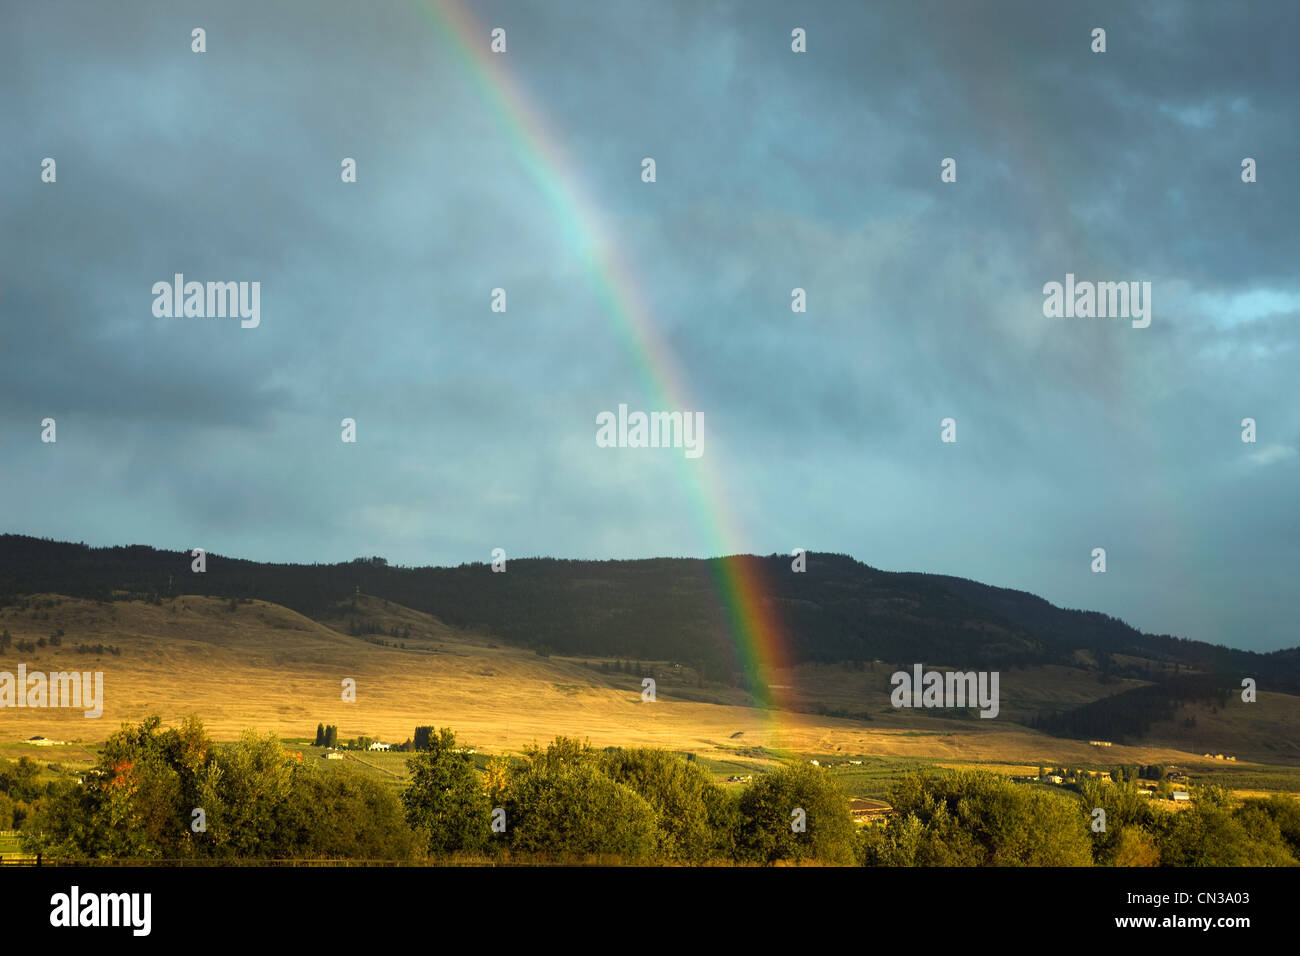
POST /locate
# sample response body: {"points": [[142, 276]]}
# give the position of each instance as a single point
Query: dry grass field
{"points": [[264, 667]]}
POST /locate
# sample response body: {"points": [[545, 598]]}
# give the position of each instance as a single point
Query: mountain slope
{"points": [[264, 667], [664, 608]]}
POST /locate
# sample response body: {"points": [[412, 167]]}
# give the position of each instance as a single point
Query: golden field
{"points": [[267, 668]]}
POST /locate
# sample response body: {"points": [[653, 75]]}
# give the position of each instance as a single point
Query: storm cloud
{"points": [[775, 170]]}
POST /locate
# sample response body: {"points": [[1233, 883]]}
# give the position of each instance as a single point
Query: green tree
{"points": [[1126, 809], [1209, 833], [767, 817], [259, 801], [567, 808], [246, 794], [20, 780], [1284, 810], [320, 735], [560, 753], [134, 803], [1135, 846], [345, 814], [693, 814], [445, 801], [976, 818]]}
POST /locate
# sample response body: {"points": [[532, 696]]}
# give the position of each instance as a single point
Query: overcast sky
{"points": [[775, 170]]}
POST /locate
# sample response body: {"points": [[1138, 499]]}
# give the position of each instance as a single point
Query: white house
{"points": [[1181, 795], [333, 755], [376, 745]]}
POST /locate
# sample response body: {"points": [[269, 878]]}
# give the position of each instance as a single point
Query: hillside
{"points": [[663, 608], [422, 636], [266, 667]]}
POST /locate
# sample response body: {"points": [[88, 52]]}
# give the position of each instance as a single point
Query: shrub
{"points": [[444, 801], [976, 818], [766, 816]]}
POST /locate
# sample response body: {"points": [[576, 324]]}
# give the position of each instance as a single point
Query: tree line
{"points": [[656, 609], [173, 794]]}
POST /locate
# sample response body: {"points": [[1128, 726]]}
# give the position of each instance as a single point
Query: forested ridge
{"points": [[677, 609]]}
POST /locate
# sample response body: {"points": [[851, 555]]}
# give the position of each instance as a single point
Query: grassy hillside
{"points": [[266, 667]]}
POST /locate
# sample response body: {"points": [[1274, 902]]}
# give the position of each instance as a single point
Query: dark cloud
{"points": [[818, 171]]}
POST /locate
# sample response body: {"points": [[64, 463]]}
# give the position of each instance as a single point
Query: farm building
{"points": [[376, 745], [333, 755], [1180, 795], [865, 810]]}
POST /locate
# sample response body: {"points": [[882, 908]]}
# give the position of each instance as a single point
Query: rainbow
{"points": [[756, 631]]}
